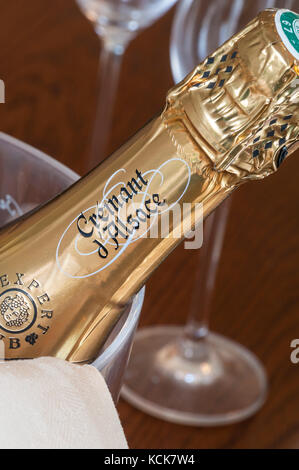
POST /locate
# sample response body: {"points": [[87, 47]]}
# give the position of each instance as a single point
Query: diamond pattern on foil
{"points": [[211, 85], [265, 132]]}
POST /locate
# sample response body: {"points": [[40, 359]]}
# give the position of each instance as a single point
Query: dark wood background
{"points": [[48, 57]]}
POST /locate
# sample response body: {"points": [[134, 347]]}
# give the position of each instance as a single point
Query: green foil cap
{"points": [[287, 24]]}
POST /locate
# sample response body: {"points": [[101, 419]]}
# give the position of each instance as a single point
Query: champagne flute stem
{"points": [[109, 71], [197, 326]]}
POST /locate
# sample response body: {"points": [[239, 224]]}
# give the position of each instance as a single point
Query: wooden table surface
{"points": [[48, 56]]}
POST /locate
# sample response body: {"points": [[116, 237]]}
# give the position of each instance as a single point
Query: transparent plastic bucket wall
{"points": [[29, 178]]}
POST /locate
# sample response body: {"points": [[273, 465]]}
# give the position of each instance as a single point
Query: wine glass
{"points": [[116, 22], [188, 374]]}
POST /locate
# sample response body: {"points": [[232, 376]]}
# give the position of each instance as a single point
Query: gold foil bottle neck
{"points": [[241, 103]]}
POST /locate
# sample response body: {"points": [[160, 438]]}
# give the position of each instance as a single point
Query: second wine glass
{"points": [[189, 374], [116, 22]]}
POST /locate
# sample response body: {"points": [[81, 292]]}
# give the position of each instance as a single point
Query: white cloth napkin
{"points": [[49, 403]]}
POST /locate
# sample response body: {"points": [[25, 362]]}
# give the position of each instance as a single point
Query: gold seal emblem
{"points": [[17, 311], [14, 310]]}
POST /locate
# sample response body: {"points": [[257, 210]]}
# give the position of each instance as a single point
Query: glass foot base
{"points": [[212, 382]]}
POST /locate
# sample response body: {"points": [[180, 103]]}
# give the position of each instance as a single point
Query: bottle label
{"points": [[129, 209], [287, 24]]}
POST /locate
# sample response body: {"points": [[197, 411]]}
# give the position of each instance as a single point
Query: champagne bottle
{"points": [[68, 268]]}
